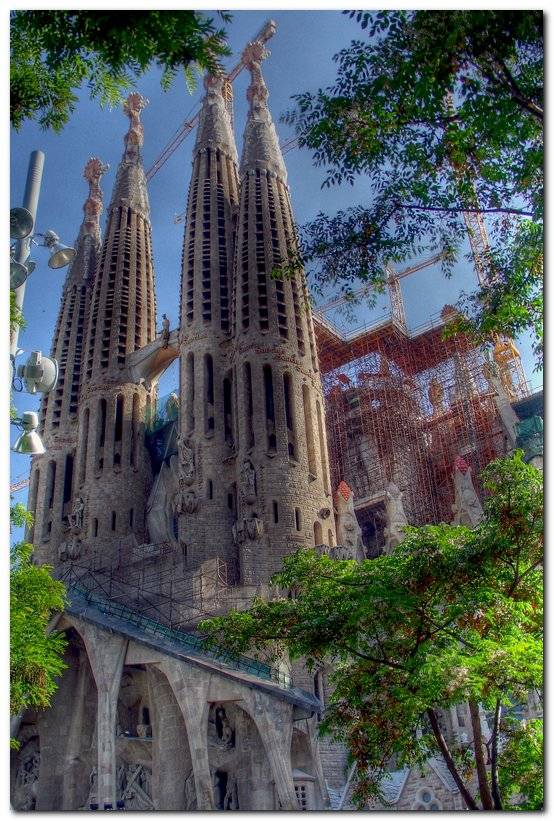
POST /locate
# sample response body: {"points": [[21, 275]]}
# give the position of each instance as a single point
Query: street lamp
{"points": [[28, 442]]}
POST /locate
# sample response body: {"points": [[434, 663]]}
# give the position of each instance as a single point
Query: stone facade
{"points": [[136, 719]]}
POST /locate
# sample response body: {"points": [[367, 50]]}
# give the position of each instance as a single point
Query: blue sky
{"points": [[301, 59]]}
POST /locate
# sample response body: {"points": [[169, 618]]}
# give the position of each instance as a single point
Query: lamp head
{"points": [[29, 442], [18, 274], [60, 254], [21, 223], [39, 373]]}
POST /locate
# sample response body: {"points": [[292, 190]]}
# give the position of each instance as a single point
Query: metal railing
{"points": [[91, 589]]}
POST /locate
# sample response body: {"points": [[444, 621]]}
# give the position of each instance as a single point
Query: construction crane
{"points": [[265, 33], [19, 484]]}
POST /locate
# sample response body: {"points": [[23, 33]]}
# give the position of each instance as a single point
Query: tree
{"points": [[442, 112], [36, 655], [54, 52], [453, 615]]}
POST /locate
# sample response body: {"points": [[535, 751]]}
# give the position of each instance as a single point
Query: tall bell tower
{"points": [[112, 465], [53, 474], [208, 438], [284, 499]]}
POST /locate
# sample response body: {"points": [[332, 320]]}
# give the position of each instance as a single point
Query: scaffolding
{"points": [[400, 406]]}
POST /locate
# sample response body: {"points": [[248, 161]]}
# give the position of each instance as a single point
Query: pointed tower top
{"points": [[134, 138], [215, 127], [261, 144], [94, 171], [130, 184]]}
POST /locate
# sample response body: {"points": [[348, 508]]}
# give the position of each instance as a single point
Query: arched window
{"points": [[248, 404], [209, 422], [84, 447], [322, 449], [298, 518], [189, 392], [309, 427], [228, 410], [289, 413], [318, 534]]}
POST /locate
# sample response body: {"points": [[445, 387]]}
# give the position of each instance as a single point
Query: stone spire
{"points": [[52, 474], [284, 498], [207, 421], [112, 466], [261, 143], [130, 184]]}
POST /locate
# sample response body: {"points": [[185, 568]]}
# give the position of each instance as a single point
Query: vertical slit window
{"points": [[209, 489], [297, 518], [318, 533], [189, 392], [289, 413], [228, 411], [209, 422], [67, 479], [114, 519], [134, 432], [131, 517], [269, 410], [275, 512], [84, 448], [308, 424], [248, 404], [323, 453], [94, 528]]}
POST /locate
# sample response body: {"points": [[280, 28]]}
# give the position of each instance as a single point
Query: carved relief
{"points": [[248, 482], [70, 550], [253, 527], [26, 779], [396, 517], [186, 449], [77, 515], [349, 532]]}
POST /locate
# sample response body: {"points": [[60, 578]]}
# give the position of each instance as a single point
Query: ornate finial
{"points": [[94, 170], [132, 107], [252, 57]]}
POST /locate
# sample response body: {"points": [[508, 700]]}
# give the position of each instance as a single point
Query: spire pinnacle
{"points": [[215, 126], [134, 137], [93, 172], [261, 144]]}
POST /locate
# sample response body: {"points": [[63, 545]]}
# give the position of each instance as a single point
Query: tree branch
{"points": [[484, 790], [449, 761], [495, 790]]}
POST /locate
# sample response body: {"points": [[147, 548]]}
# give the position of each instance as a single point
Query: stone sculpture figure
{"points": [[349, 532], [76, 516], [396, 517], [467, 508], [502, 400], [248, 481], [165, 331], [187, 460], [504, 354], [253, 527]]}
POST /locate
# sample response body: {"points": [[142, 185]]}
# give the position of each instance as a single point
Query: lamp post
{"points": [[30, 202]]}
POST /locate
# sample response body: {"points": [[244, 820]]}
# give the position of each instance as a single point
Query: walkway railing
{"points": [[90, 589]]}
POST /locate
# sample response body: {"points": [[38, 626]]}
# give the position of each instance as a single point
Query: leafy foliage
{"points": [[441, 111], [54, 52], [453, 615], [35, 655], [522, 764]]}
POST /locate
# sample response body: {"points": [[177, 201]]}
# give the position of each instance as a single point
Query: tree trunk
{"points": [[495, 790], [481, 767], [445, 752]]}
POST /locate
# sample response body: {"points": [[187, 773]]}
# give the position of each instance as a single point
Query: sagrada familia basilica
{"points": [[285, 434]]}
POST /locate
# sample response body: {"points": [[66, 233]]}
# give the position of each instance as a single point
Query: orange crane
{"points": [[265, 33]]}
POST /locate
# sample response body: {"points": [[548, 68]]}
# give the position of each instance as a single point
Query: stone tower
{"points": [[284, 499], [207, 421], [52, 474], [112, 466]]}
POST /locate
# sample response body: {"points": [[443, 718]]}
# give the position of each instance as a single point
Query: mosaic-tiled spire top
{"points": [[93, 207], [215, 128], [130, 185], [261, 144]]}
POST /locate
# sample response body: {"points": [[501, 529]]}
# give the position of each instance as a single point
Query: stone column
{"points": [[106, 654], [190, 687], [273, 719]]}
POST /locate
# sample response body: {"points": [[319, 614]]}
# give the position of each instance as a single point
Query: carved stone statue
{"points": [[172, 407], [467, 507], [396, 517], [435, 393], [165, 331], [253, 527], [504, 354], [349, 532], [76, 516], [248, 482], [70, 550], [502, 400], [26, 780], [189, 502], [187, 460]]}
